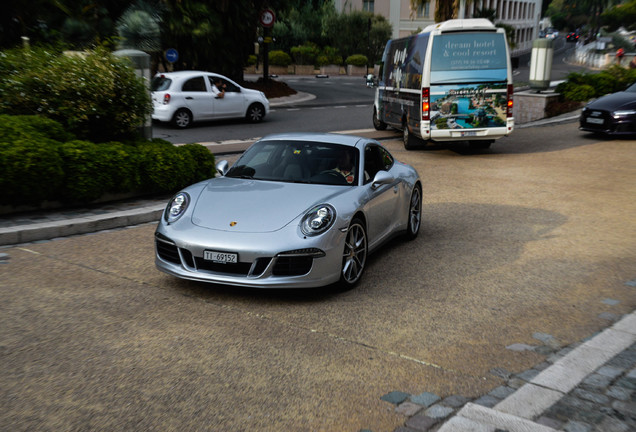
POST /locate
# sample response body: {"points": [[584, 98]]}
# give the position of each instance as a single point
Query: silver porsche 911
{"points": [[296, 210]]}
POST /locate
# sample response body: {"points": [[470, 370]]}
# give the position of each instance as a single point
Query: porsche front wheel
{"points": [[354, 256]]}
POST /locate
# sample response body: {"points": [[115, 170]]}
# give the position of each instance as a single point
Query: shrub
{"points": [[40, 162], [251, 60], [581, 87], [329, 55], [94, 95], [305, 54], [31, 171], [357, 60], [279, 58]]}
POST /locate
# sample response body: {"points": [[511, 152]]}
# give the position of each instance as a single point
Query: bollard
{"points": [[541, 64], [141, 63]]}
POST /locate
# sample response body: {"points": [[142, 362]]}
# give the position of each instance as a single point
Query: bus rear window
{"points": [[478, 55]]}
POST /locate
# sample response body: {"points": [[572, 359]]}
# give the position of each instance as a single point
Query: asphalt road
{"points": [[341, 103], [534, 235]]}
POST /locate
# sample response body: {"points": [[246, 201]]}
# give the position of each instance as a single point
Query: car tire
{"points": [[410, 142], [255, 113], [377, 123], [354, 255], [182, 118], [415, 213]]}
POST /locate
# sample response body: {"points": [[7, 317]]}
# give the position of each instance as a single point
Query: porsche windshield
{"points": [[299, 162]]}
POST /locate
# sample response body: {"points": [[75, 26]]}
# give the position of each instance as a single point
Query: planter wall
{"points": [[304, 69], [356, 70], [330, 70]]}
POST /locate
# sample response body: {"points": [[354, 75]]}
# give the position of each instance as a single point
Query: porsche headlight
{"points": [[318, 220], [176, 207]]}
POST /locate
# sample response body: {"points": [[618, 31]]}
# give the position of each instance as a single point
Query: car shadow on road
{"points": [[456, 240]]}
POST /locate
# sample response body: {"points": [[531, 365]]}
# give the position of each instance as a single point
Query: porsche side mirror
{"points": [[382, 178], [222, 167]]}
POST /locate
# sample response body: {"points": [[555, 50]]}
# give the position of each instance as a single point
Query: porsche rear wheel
{"points": [[354, 257], [415, 213]]}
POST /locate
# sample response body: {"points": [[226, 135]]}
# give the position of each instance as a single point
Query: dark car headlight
{"points": [[318, 220], [176, 207], [623, 113]]}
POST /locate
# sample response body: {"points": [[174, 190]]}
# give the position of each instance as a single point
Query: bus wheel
{"points": [[377, 123], [410, 142]]}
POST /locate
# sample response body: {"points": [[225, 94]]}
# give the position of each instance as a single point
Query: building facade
{"points": [[522, 15]]}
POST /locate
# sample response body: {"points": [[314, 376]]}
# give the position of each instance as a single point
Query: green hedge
{"points": [[581, 87], [39, 162], [279, 58], [93, 94], [357, 60]]}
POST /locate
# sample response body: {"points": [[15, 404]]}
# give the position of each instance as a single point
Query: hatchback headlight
{"points": [[318, 220], [176, 207]]}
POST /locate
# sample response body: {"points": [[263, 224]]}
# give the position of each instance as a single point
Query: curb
{"points": [[82, 225]]}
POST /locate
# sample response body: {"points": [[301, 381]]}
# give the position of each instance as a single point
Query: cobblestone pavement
{"points": [[586, 387]]}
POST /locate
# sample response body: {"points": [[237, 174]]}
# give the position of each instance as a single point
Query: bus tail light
{"points": [[426, 104], [510, 103]]}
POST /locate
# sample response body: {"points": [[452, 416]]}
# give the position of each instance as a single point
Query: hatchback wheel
{"points": [[255, 113], [182, 118], [354, 257]]}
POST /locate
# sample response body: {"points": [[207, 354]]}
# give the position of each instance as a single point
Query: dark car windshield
{"points": [[631, 88], [299, 162], [160, 83]]}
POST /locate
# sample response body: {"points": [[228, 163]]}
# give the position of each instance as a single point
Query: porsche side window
{"points": [[387, 159], [375, 159]]}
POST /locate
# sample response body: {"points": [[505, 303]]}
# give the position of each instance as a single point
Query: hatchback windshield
{"points": [[299, 162]]}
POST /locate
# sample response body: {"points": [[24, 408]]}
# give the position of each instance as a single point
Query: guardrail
{"points": [[589, 55]]}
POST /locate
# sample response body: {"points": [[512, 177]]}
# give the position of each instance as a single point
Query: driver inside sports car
{"points": [[345, 166]]}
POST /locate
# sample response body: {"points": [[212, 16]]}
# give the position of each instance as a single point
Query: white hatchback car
{"points": [[187, 96]]}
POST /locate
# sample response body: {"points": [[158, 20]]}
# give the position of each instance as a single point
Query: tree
{"points": [[444, 9], [215, 35], [139, 27], [358, 32], [623, 15]]}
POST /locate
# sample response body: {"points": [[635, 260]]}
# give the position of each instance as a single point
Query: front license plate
{"points": [[594, 120], [220, 257], [469, 133]]}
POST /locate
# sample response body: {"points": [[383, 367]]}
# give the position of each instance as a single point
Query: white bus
{"points": [[451, 82]]}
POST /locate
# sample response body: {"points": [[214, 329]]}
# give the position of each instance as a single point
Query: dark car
{"points": [[572, 37], [613, 114]]}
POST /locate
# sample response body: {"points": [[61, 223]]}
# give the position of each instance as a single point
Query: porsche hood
{"points": [[244, 205]]}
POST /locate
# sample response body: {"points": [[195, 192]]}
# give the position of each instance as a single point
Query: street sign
{"points": [[267, 18], [172, 55]]}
